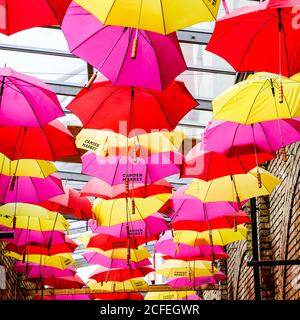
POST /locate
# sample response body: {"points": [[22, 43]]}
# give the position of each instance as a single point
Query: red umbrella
{"points": [[120, 275], [118, 296], [260, 38], [100, 189], [70, 203], [52, 142], [72, 282], [21, 15], [133, 107]]}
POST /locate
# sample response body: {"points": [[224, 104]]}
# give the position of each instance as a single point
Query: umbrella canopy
{"points": [[70, 203], [236, 187], [219, 237], [158, 62], [100, 189], [259, 38], [134, 107], [208, 165], [118, 296], [21, 15], [26, 167], [52, 142], [173, 295], [26, 101], [115, 169], [162, 17], [111, 212], [29, 190], [258, 138], [68, 282], [112, 286]]}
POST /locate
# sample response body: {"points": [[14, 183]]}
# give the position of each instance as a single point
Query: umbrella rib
{"points": [[286, 52], [109, 11], [52, 10], [7, 17], [263, 130], [163, 16]]}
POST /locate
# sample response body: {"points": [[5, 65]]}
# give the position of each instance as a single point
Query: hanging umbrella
{"points": [[119, 275], [26, 167], [100, 189], [70, 203], [173, 295], [158, 62], [193, 297], [259, 38], [219, 237], [111, 212], [26, 101], [52, 142], [238, 187], [162, 17], [21, 15], [68, 282], [165, 245], [115, 169], [136, 284], [107, 143], [118, 296], [262, 137], [28, 190], [134, 107], [196, 282], [208, 165]]}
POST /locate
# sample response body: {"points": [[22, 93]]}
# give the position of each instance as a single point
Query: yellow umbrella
{"points": [[111, 212], [26, 167], [107, 143], [218, 237], [136, 284], [171, 295], [177, 268], [60, 261], [162, 16], [238, 187], [258, 99]]}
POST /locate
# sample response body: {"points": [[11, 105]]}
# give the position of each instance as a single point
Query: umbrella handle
{"points": [[238, 200], [13, 182], [134, 47], [259, 179], [280, 92], [283, 152], [91, 81], [132, 206]]}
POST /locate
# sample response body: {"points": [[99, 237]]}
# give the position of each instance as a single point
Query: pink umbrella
{"points": [[189, 213], [151, 226], [35, 270], [114, 170], [261, 137], [165, 245], [26, 101], [158, 61], [191, 297], [97, 258], [100, 189], [29, 190]]}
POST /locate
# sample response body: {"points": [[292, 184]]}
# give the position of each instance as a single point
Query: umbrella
{"points": [[106, 143], [134, 107], [111, 212], [21, 15], [238, 187], [158, 62], [196, 282], [173, 295], [219, 237], [208, 165], [64, 297], [52, 142], [166, 245], [118, 296], [162, 17], [100, 189], [36, 270], [256, 100], [119, 275], [70, 203], [193, 296], [28, 190], [26, 101], [115, 169], [136, 284], [258, 138], [26, 167], [259, 38], [68, 282]]}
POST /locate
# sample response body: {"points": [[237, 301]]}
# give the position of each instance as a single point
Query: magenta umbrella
{"points": [[108, 48], [26, 101], [166, 246], [148, 170], [261, 137], [151, 226], [29, 190], [196, 282], [98, 258]]}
